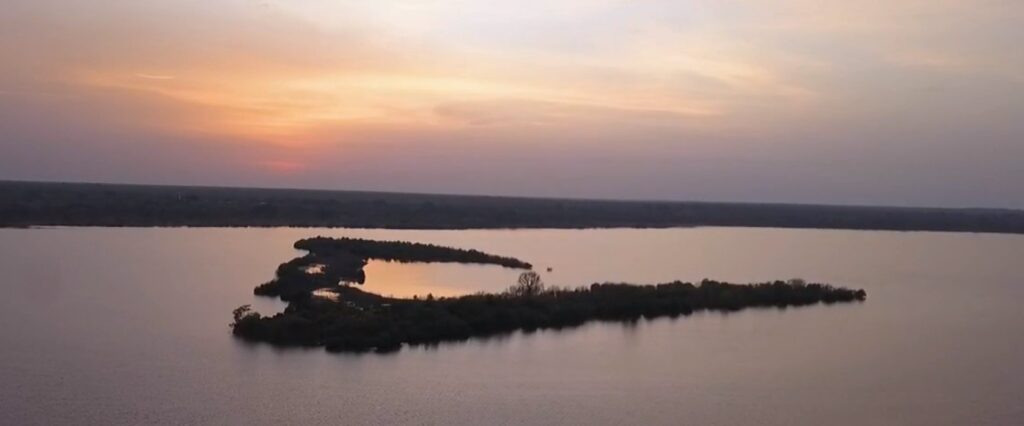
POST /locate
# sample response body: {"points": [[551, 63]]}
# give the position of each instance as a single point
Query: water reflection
{"points": [[438, 279], [129, 326], [324, 293], [314, 269]]}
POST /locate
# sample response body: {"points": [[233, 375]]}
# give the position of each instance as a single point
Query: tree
{"points": [[242, 314], [528, 285]]}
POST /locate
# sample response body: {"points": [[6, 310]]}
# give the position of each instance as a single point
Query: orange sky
{"points": [[896, 102]]}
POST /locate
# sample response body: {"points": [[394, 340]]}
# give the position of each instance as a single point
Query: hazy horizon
{"points": [[898, 103], [509, 195]]}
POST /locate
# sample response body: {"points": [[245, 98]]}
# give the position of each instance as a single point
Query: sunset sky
{"points": [[902, 102]]}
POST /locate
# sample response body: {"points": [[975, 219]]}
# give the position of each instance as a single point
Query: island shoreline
{"points": [[326, 309]]}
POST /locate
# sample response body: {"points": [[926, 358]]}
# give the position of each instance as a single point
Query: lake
{"points": [[129, 326]]}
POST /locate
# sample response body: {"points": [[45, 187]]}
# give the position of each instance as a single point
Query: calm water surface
{"points": [[129, 326]]}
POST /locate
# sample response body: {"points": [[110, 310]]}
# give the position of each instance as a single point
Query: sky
{"points": [[894, 102]]}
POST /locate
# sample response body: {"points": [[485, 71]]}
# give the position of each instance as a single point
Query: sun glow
{"points": [[416, 95], [301, 108]]}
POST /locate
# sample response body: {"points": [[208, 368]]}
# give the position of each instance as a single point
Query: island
{"points": [[325, 307]]}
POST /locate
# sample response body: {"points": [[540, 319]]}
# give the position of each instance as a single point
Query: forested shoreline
{"points": [[24, 204]]}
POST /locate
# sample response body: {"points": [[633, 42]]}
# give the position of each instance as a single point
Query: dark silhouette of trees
{"points": [[528, 285], [241, 312], [245, 320], [356, 320], [334, 261], [37, 203]]}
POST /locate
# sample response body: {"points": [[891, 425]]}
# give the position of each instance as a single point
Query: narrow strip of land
{"points": [[43, 204], [332, 261]]}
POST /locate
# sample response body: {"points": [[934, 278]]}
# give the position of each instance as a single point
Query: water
{"points": [[129, 326]]}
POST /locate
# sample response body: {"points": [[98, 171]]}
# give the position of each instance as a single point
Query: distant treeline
{"points": [[28, 204], [331, 261], [323, 310]]}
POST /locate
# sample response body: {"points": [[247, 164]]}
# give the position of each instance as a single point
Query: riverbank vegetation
{"points": [[344, 318]]}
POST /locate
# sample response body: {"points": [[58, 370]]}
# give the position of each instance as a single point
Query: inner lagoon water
{"points": [[129, 326]]}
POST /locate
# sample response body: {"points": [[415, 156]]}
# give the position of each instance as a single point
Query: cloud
{"points": [[154, 76], [788, 89], [521, 112]]}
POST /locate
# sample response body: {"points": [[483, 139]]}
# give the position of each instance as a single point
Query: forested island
{"points": [[326, 309], [25, 204], [331, 261]]}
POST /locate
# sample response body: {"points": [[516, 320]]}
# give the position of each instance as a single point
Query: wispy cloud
{"points": [[154, 76]]}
